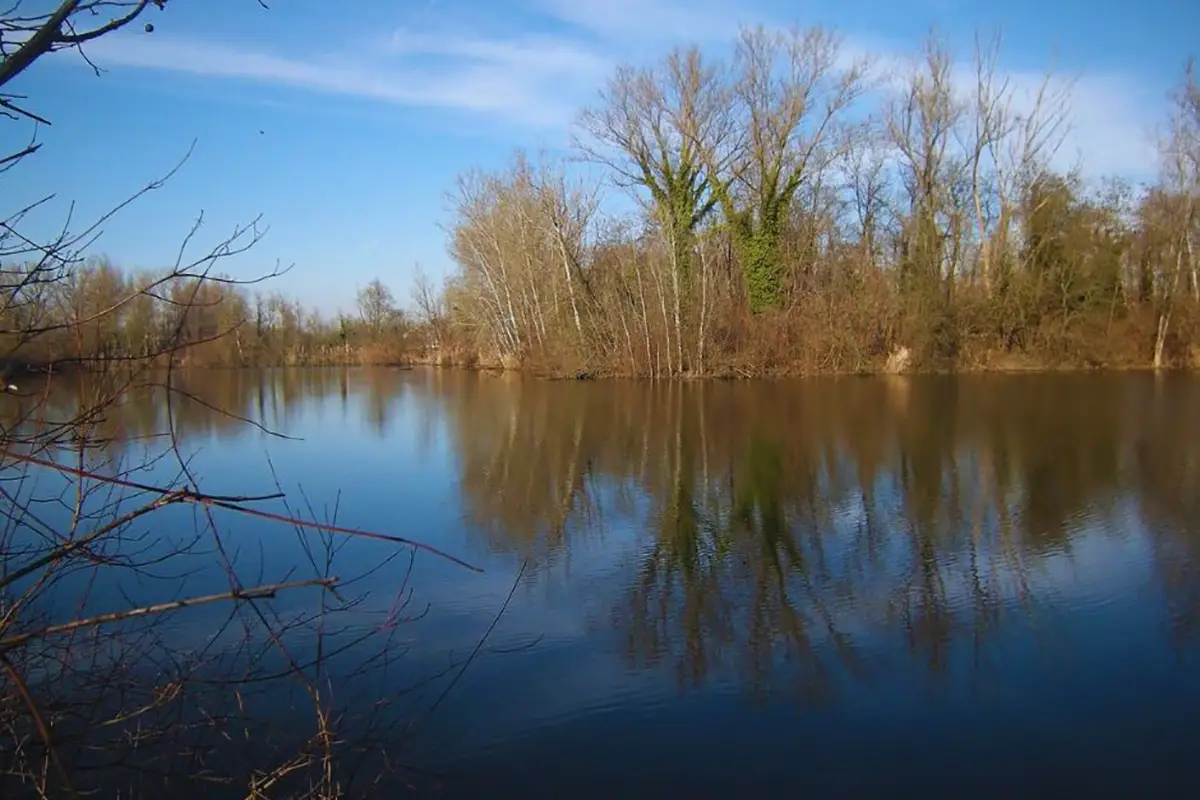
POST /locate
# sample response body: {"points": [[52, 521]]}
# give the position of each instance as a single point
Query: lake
{"points": [[982, 585]]}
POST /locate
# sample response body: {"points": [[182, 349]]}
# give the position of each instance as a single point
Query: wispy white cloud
{"points": [[1108, 119], [635, 22], [539, 55], [541, 80], [1113, 120], [535, 82]]}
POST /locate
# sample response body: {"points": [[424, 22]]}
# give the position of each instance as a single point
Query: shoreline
{"points": [[726, 373], [743, 373]]}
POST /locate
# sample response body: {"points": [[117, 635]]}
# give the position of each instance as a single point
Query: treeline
{"points": [[803, 211], [799, 210], [96, 314]]}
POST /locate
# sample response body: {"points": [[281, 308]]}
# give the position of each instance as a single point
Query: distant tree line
{"points": [[95, 314]]}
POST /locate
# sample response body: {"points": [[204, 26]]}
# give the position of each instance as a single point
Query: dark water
{"points": [[949, 586]]}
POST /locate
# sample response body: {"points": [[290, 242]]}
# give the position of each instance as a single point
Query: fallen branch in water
{"points": [[257, 593]]}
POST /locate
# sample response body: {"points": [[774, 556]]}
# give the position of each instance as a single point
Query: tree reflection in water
{"points": [[790, 534], [795, 532]]}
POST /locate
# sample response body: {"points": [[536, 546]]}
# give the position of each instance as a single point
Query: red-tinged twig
{"points": [[321, 526], [66, 549], [142, 487], [232, 503]]}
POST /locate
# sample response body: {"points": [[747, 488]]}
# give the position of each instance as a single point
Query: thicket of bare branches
{"points": [[108, 562], [805, 209]]}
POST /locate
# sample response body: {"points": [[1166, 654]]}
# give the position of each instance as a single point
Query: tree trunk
{"points": [[703, 310], [1164, 319], [628, 343], [1191, 257], [662, 302], [678, 325], [566, 261], [985, 272], [645, 316]]}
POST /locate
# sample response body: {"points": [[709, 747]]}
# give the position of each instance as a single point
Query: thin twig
{"points": [[481, 642]]}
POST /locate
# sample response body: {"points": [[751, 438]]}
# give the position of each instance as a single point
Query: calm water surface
{"points": [[982, 586]]}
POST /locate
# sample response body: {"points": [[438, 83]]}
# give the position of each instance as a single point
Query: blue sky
{"points": [[345, 124]]}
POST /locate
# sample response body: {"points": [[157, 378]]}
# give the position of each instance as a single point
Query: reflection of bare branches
{"points": [[1167, 465]]}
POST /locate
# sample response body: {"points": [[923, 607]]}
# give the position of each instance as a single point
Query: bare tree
{"points": [[480, 243], [1181, 165], [992, 123], [1022, 155], [789, 94], [567, 211], [376, 307], [923, 125], [431, 307], [865, 160], [646, 130]]}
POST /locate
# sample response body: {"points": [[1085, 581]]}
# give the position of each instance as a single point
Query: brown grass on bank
{"points": [[856, 337]]}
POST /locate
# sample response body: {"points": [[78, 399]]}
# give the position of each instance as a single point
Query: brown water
{"points": [[834, 587]]}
